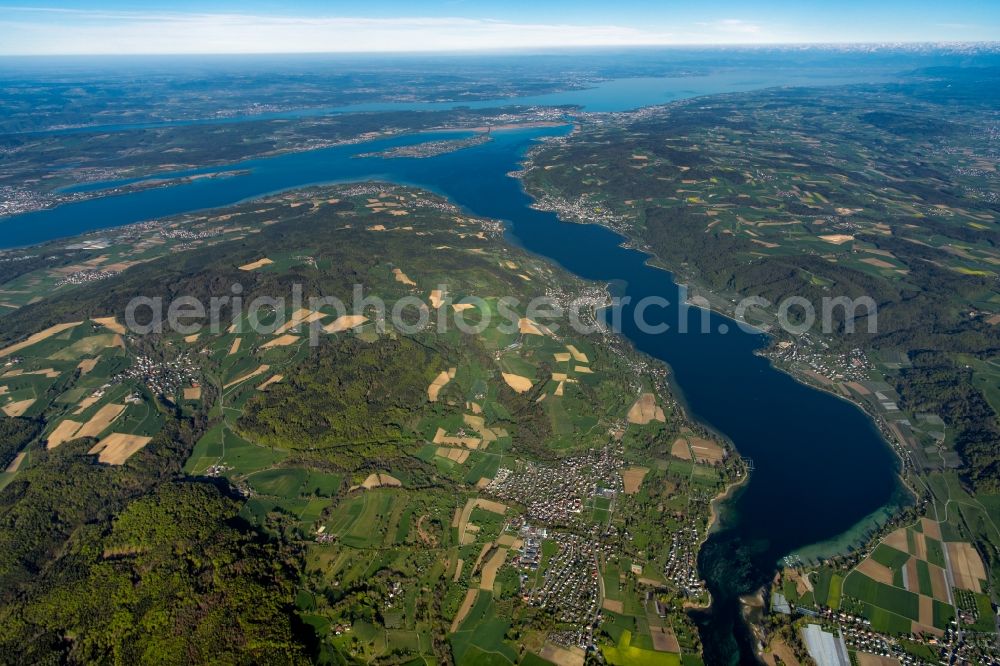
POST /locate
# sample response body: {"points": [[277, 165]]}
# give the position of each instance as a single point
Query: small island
{"points": [[431, 148]]}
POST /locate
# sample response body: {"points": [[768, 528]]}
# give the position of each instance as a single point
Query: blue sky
{"points": [[230, 26]]}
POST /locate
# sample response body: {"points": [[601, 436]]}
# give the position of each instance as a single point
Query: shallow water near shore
{"points": [[820, 465]]}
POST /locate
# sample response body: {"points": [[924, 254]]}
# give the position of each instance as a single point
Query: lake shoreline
{"points": [[715, 371], [717, 304]]}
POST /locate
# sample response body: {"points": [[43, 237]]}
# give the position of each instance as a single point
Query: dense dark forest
{"points": [[349, 394], [133, 564]]}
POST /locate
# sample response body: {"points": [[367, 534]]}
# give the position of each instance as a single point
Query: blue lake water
{"points": [[606, 96], [634, 93], [820, 465]]}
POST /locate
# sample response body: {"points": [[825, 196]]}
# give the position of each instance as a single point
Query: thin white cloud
{"points": [[35, 31]]}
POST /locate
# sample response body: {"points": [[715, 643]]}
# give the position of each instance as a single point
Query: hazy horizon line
{"points": [[755, 46]]}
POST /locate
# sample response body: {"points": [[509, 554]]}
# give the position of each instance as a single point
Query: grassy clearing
{"points": [[143, 419], [85, 347], [207, 451], [221, 445], [283, 482], [313, 510], [363, 520]]}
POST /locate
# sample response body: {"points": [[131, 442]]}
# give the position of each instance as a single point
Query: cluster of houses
{"points": [[87, 275], [961, 646], [17, 200], [162, 377], [569, 587], [953, 647], [10, 258], [492, 228], [554, 494], [584, 209], [395, 590], [849, 366], [858, 635], [322, 536], [581, 637], [186, 234], [415, 200], [584, 303], [681, 567], [218, 470]]}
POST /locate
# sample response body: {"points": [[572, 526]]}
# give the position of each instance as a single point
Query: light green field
{"points": [[480, 638], [362, 520], [85, 347], [892, 599], [282, 482], [221, 445], [626, 654]]}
